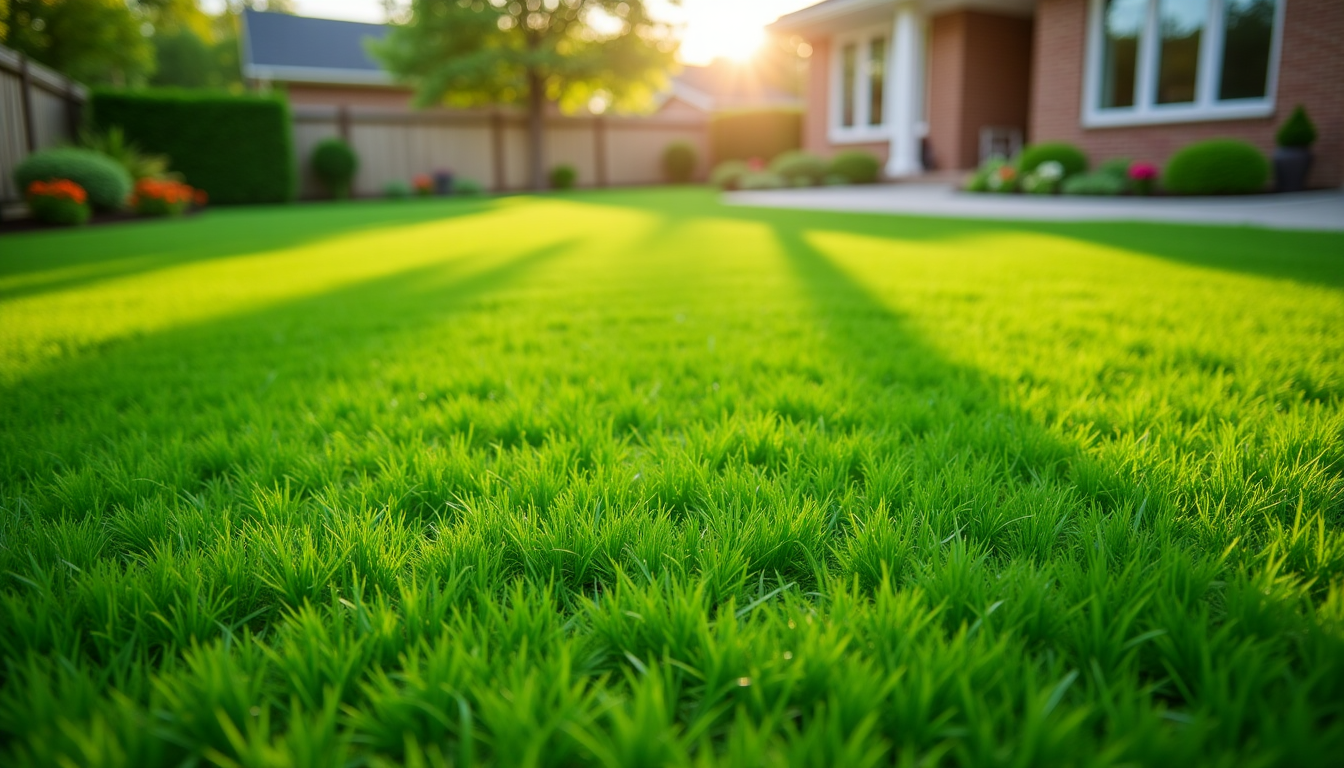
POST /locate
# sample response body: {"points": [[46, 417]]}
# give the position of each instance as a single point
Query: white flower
{"points": [[1050, 170]]}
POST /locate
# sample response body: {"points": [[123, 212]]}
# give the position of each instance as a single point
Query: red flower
{"points": [[423, 182], [201, 198], [61, 189], [1143, 171]]}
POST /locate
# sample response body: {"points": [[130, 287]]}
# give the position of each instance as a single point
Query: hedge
{"points": [[237, 148], [762, 133], [1216, 167]]}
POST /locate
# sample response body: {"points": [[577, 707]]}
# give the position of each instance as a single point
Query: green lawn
{"points": [[636, 479]]}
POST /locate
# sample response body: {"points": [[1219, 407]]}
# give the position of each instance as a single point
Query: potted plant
{"points": [[1292, 160]]}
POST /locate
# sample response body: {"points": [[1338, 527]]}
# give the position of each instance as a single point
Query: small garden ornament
{"points": [[1292, 159]]}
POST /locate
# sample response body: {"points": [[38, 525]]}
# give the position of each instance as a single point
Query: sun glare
{"points": [[733, 29]]}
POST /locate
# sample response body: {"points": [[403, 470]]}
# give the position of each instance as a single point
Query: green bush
{"points": [[1297, 130], [335, 164], [1117, 167], [106, 182], [679, 161], [761, 133], [467, 187], [563, 177], [856, 166], [64, 213], [763, 180], [1072, 158], [396, 190], [1099, 183], [728, 175], [113, 143], [236, 148], [1216, 167], [799, 168], [994, 175]]}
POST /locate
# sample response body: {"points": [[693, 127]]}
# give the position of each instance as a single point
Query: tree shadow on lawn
{"points": [[43, 262]]}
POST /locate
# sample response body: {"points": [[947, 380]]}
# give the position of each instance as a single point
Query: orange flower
{"points": [[163, 190], [423, 182], [200, 198], [63, 189]]}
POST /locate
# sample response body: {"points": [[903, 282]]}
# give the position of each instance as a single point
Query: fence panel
{"points": [[491, 148], [50, 108]]}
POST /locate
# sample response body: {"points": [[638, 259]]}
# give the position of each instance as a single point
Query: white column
{"points": [[907, 56]]}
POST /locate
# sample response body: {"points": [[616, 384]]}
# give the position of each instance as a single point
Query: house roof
{"points": [[278, 46], [830, 16]]}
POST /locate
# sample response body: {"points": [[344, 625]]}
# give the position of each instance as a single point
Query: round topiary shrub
{"points": [[1216, 167], [679, 161], [1297, 130], [758, 180], [728, 175], [856, 166], [104, 179], [799, 169], [1073, 159], [563, 177], [334, 164]]}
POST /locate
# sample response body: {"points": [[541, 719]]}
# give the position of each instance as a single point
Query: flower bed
{"points": [[164, 197], [59, 201]]}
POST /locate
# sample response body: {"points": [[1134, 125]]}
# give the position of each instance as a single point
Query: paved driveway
{"points": [[1302, 210]]}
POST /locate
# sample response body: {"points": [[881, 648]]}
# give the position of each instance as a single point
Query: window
{"points": [[859, 102], [1154, 61]]}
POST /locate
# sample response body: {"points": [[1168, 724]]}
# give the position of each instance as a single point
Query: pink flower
{"points": [[1143, 171], [756, 164]]}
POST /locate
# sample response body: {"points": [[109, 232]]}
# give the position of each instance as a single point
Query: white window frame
{"points": [[1205, 107], [861, 131]]}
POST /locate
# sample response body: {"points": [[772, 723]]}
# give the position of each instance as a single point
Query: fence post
{"points": [[26, 103], [343, 122], [497, 148], [74, 109], [600, 149]]}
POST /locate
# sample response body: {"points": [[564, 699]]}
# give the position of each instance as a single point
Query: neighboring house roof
{"points": [[278, 46]]}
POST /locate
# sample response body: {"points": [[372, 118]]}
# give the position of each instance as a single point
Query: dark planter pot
{"points": [[443, 183], [1291, 166]]}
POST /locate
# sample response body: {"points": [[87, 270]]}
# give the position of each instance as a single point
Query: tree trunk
{"points": [[536, 128]]}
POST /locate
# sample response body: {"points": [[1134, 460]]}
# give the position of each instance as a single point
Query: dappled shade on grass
{"points": [[637, 479]]}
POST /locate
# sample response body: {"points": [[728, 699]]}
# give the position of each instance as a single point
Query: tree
{"points": [[92, 41], [534, 53]]}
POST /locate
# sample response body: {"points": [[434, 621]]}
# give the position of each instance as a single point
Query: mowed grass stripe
{"points": [[637, 479]]}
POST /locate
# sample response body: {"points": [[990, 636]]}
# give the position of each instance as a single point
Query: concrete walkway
{"points": [[1301, 210]]}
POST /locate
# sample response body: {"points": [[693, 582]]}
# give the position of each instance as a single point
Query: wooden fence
{"points": [[490, 147], [38, 108]]}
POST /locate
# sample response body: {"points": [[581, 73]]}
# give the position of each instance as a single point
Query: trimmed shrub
{"points": [[467, 187], [334, 164], [755, 133], [396, 190], [1099, 183], [1217, 167], [59, 201], [102, 178], [1117, 167], [1073, 159], [237, 148], [563, 177], [763, 180], [1297, 130], [728, 175], [799, 168], [679, 161], [856, 166]]}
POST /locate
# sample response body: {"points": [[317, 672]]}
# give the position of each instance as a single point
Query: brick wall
{"points": [[1311, 73], [816, 116], [979, 76]]}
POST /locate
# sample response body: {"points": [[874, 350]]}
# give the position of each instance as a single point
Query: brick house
{"points": [[941, 84]]}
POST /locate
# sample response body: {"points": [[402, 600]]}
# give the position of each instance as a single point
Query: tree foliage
{"points": [[566, 52], [92, 41]]}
